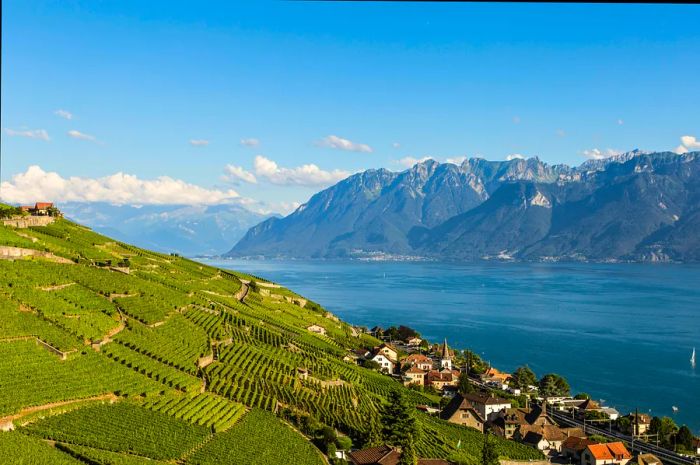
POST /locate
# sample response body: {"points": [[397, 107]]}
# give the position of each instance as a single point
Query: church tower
{"points": [[445, 358]]}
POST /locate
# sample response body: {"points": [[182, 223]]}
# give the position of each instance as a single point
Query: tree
{"points": [[399, 426], [489, 455], [344, 443], [665, 428], [684, 437], [582, 396], [464, 385], [371, 364], [408, 453], [523, 377], [554, 385], [406, 333]]}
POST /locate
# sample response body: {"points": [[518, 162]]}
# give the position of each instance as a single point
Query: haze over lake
{"points": [[621, 332]]}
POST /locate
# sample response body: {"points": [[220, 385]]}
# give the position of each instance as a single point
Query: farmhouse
{"points": [[384, 362], [440, 379], [509, 421], [462, 412], [573, 447]]}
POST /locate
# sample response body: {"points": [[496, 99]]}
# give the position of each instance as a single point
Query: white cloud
{"points": [[30, 133], [237, 173], [680, 150], [396, 145], [119, 188], [455, 160], [63, 114], [690, 142], [335, 142], [409, 161], [515, 156], [81, 136], [199, 142], [597, 154], [283, 208], [304, 175], [251, 142]]}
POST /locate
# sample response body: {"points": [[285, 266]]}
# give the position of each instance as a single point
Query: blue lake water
{"points": [[621, 332]]}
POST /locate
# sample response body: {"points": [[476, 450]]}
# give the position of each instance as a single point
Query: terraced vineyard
{"points": [[110, 354]]}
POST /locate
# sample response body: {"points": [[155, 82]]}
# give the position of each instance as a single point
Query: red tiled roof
{"points": [[600, 451], [43, 205], [415, 370], [619, 450], [576, 443], [381, 455]]}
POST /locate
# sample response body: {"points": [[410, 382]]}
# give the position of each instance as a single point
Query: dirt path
{"points": [[29, 410], [57, 288], [243, 292]]}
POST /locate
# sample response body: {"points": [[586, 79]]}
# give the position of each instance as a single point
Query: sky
{"points": [[265, 103]]}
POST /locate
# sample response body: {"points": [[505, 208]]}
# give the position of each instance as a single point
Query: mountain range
{"points": [[637, 206], [184, 229]]}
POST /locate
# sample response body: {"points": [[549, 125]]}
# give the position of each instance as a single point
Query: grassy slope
{"points": [[154, 324]]}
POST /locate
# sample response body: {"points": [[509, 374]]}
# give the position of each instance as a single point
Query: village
{"points": [[568, 430]]}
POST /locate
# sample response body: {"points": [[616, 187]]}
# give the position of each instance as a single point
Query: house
{"points": [[588, 405], [610, 412], [317, 329], [639, 424], [493, 375], [41, 208], [543, 438], [573, 447], [647, 459], [385, 364], [26, 208], [610, 453], [419, 361], [462, 412], [414, 375], [414, 341], [385, 455], [440, 379], [488, 406], [509, 421], [389, 351]]}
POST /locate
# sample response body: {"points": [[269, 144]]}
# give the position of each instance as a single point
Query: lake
{"points": [[620, 332]]}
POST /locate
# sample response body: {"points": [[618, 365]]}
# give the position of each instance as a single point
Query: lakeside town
{"points": [[541, 413]]}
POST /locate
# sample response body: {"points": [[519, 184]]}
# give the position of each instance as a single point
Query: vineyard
{"points": [[193, 373]]}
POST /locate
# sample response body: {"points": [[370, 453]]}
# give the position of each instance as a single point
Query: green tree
{"points": [[554, 385], [684, 437], [489, 455], [408, 453], [582, 396], [523, 377], [665, 428], [464, 385], [399, 426]]}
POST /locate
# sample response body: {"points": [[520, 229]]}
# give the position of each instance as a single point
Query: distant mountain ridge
{"points": [[636, 206], [185, 229]]}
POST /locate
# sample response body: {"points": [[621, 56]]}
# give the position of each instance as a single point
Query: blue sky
{"points": [[185, 89]]}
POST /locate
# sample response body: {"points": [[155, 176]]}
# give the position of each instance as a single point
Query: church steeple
{"points": [[445, 351], [445, 357]]}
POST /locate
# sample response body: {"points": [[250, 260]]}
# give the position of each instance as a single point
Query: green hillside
{"points": [[110, 354]]}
